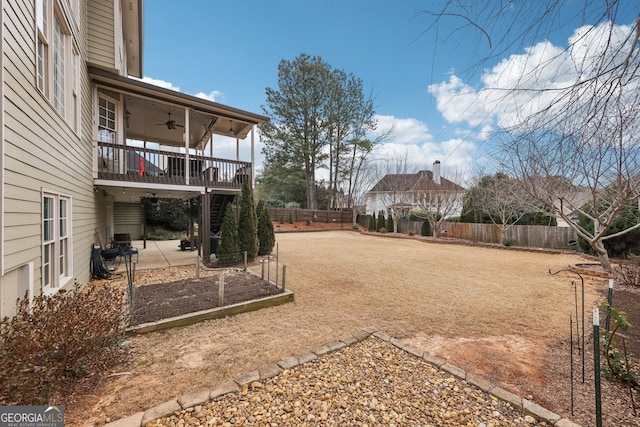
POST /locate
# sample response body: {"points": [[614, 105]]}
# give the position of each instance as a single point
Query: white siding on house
{"points": [[102, 34], [129, 219], [373, 204], [42, 150]]}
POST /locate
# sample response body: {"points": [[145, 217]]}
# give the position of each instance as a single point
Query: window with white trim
{"points": [[75, 90], [107, 132], [59, 53], [57, 59], [56, 241], [42, 18], [106, 120]]}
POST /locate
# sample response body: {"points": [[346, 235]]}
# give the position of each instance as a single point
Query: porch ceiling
{"points": [[134, 193], [152, 113]]}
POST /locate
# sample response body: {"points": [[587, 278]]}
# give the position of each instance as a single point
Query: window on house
{"points": [[48, 242], [56, 243], [107, 133], [106, 120], [75, 90], [57, 59], [59, 52], [42, 45], [63, 238]]}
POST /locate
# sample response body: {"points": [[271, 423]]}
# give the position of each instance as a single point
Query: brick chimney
{"points": [[436, 172]]}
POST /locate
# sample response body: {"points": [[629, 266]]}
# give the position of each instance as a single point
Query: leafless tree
{"points": [[394, 179], [500, 198], [439, 199], [567, 122]]}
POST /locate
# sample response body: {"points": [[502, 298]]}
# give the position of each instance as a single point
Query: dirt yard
{"points": [[495, 312]]}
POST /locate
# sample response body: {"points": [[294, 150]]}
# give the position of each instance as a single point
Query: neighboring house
{"points": [[570, 207], [84, 141], [400, 193]]}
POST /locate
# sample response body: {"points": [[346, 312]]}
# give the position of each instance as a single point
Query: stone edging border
{"points": [[195, 398]]}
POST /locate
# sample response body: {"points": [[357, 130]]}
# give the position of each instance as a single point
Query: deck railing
{"points": [[128, 163]]}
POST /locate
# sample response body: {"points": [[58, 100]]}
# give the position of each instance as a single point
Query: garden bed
{"points": [[154, 302]]}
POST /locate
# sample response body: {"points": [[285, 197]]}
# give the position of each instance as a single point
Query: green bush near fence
{"points": [[372, 222], [425, 230], [508, 240]]}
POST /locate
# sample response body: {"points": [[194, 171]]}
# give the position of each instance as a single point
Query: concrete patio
{"points": [[159, 254]]}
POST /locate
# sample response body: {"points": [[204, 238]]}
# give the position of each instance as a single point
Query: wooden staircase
{"points": [[219, 204]]}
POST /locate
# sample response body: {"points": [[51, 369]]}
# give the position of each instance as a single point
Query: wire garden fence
{"points": [[232, 279], [603, 342]]}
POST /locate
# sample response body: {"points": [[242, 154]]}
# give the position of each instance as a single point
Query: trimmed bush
{"points": [[508, 240], [372, 222], [229, 249], [390, 224], [266, 233], [425, 230], [248, 223], [47, 348], [381, 222]]}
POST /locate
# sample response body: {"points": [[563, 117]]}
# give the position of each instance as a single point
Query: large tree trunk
{"points": [[603, 255], [312, 202]]}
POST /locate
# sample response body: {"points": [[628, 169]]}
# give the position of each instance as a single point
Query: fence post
{"points": [[221, 290], [262, 262], [245, 260], [197, 267], [284, 276]]}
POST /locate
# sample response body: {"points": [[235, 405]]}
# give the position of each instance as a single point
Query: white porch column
{"points": [[185, 136], [253, 156]]}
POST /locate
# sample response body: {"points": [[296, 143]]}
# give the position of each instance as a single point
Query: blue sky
{"points": [[229, 52]]}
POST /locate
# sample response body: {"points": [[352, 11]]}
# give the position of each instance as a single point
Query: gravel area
{"points": [[368, 383]]}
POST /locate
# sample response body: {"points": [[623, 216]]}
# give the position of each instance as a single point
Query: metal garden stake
{"points": [[596, 365]]}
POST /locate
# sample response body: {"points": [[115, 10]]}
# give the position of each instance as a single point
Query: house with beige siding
{"points": [[85, 141]]}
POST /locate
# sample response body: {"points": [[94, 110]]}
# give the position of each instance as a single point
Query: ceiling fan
{"points": [[171, 124]]}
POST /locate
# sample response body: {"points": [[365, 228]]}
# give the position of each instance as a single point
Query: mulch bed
{"points": [[159, 301]]}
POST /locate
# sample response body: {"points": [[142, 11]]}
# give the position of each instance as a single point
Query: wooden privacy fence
{"points": [[538, 236], [297, 215]]}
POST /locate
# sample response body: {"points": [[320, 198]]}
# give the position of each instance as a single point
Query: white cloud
{"points": [[412, 137], [160, 83], [458, 102], [527, 83], [212, 96], [404, 131]]}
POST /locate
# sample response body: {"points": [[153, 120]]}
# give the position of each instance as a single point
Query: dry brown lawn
{"points": [[492, 311]]}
